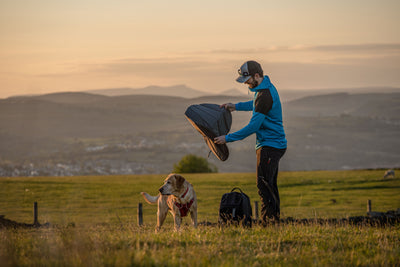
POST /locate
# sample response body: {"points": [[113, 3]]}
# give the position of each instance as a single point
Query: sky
{"points": [[76, 45]]}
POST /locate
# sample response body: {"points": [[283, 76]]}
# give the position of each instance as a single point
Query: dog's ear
{"points": [[179, 181]]}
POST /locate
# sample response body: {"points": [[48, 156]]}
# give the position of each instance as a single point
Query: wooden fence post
{"points": [[140, 214], [35, 214], [369, 206], [256, 210]]}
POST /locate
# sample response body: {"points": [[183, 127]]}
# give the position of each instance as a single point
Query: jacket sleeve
{"points": [[254, 124], [244, 106]]}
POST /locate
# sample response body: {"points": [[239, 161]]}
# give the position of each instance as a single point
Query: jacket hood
{"points": [[265, 84]]}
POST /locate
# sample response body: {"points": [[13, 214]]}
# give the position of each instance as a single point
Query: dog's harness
{"points": [[184, 208]]}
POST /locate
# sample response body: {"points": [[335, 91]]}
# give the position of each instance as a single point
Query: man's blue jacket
{"points": [[266, 120]]}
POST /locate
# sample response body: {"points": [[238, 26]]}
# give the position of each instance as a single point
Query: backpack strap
{"points": [[237, 189]]}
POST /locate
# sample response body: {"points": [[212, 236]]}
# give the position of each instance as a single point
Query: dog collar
{"points": [[184, 208], [185, 193]]}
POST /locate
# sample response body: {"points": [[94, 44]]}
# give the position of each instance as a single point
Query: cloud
{"points": [[376, 47], [170, 66], [380, 56], [290, 67], [345, 73], [220, 60], [382, 48]]}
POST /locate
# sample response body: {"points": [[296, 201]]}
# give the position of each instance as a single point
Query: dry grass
{"points": [[93, 223]]}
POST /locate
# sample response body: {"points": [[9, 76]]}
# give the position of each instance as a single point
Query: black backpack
{"points": [[235, 208]]}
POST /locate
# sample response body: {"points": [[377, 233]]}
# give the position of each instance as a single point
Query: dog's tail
{"points": [[150, 199]]}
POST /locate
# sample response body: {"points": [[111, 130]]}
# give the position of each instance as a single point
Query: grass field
{"points": [[93, 222]]}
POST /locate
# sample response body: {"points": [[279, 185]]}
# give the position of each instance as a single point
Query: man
{"points": [[266, 123]]}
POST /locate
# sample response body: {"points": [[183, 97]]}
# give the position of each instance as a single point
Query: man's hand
{"points": [[228, 106], [220, 140]]}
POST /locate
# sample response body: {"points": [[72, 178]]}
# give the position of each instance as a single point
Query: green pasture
{"points": [[105, 199], [93, 222]]}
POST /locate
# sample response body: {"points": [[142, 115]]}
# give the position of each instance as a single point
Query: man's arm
{"points": [[263, 105], [244, 106], [254, 124]]}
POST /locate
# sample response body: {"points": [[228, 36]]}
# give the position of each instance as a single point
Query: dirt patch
{"points": [[6, 223], [372, 219]]}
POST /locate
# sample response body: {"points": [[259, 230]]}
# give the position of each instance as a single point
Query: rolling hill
{"points": [[370, 105], [176, 90], [82, 133]]}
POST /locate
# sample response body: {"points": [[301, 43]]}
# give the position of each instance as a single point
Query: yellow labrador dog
{"points": [[176, 196]]}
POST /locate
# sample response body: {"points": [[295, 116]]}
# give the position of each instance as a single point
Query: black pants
{"points": [[267, 176]]}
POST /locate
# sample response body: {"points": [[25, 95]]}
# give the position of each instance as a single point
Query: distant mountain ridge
{"points": [[335, 104], [366, 105], [176, 90], [187, 92], [184, 91], [232, 92], [97, 134]]}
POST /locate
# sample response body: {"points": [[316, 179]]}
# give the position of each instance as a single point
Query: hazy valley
{"points": [[86, 133]]}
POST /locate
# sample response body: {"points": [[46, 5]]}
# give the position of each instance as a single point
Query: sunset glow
{"points": [[51, 46]]}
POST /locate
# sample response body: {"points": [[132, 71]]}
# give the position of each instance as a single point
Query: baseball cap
{"points": [[248, 69]]}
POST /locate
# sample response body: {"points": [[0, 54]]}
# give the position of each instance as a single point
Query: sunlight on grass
{"points": [[93, 222], [127, 245]]}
